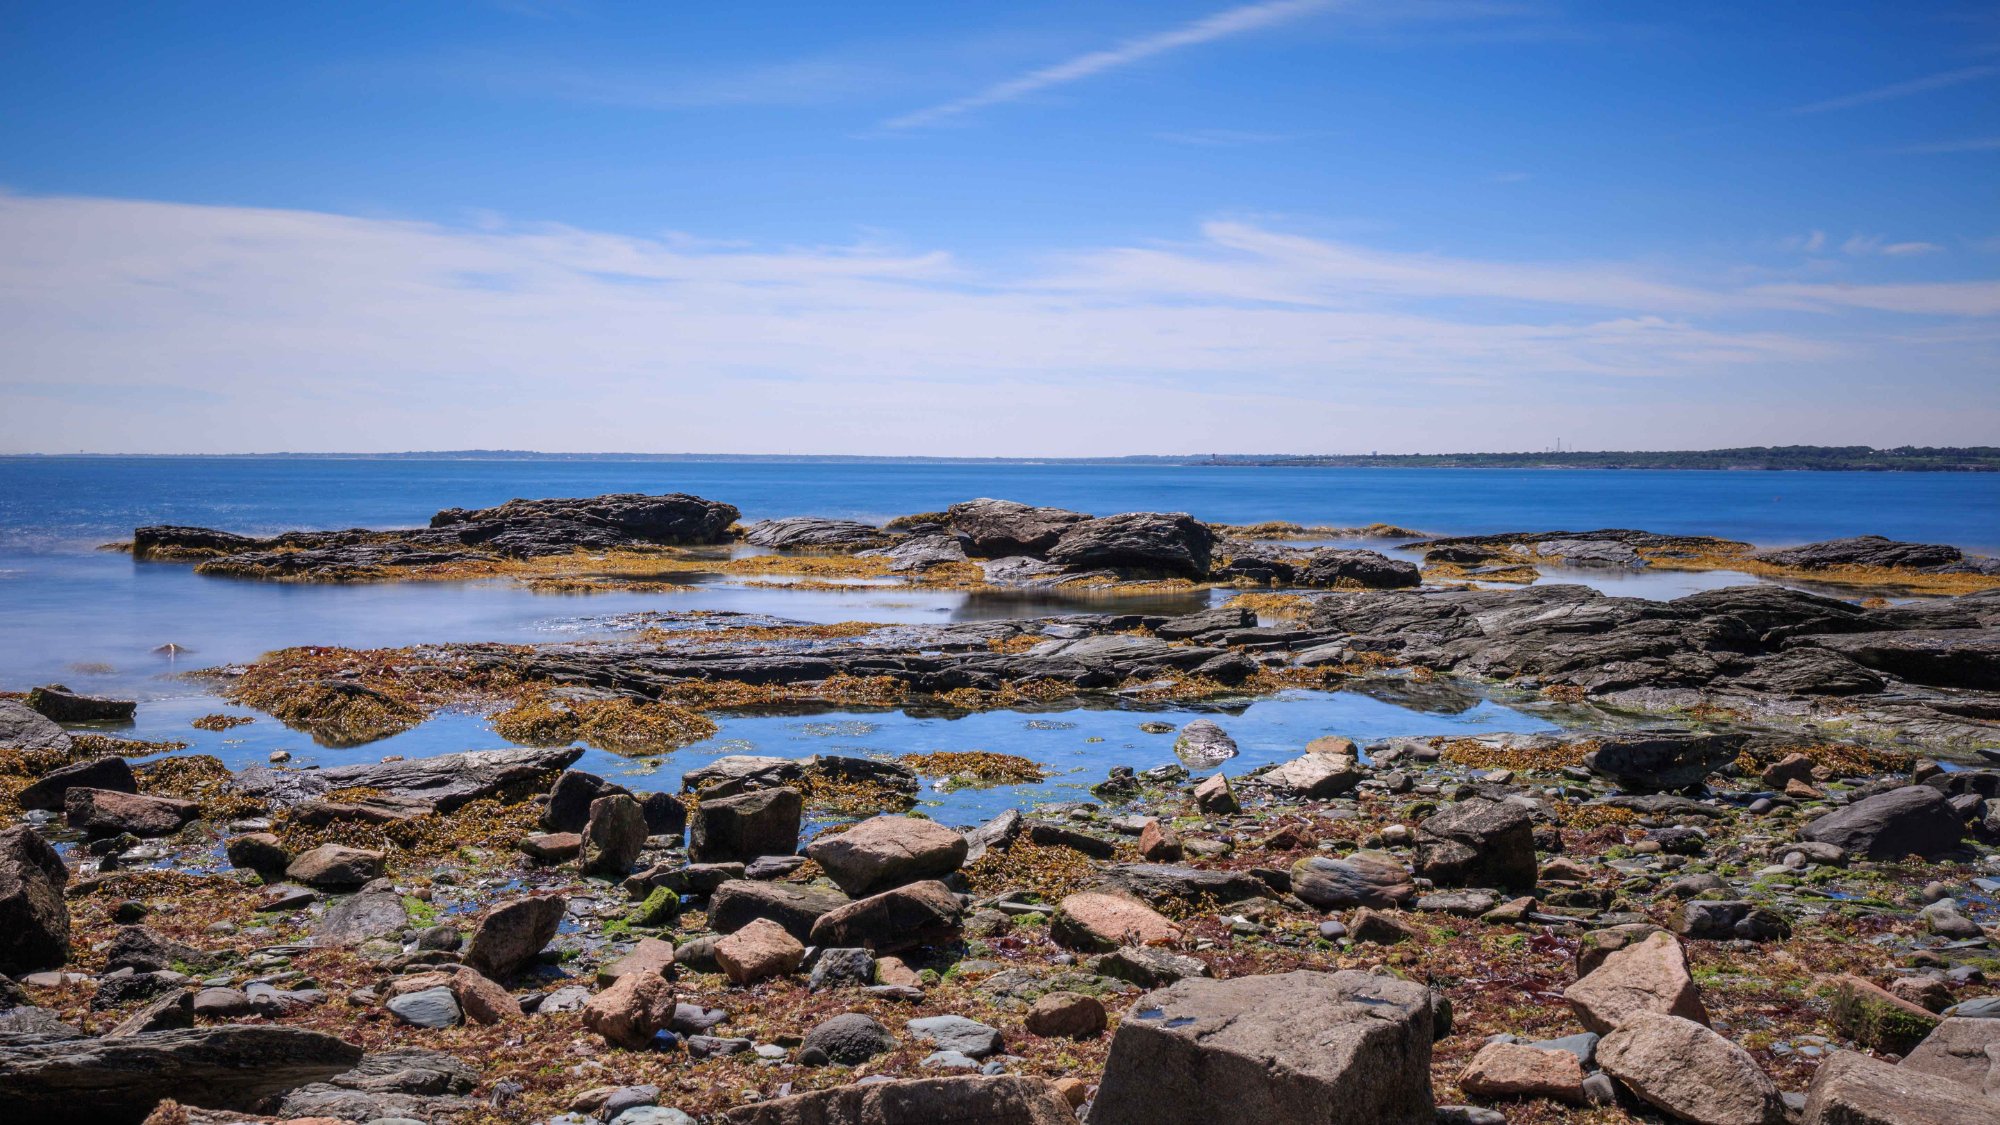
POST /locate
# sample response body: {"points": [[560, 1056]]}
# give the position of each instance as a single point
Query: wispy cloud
{"points": [[1208, 29], [319, 330], [1970, 144], [1891, 92], [1862, 245]]}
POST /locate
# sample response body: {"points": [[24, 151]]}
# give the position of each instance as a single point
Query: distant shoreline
{"points": [[1796, 458]]}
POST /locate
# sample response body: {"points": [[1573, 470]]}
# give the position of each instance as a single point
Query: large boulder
{"points": [[1854, 1089], [510, 933], [1335, 568], [1148, 543], [758, 950], [1373, 879], [920, 914], [1304, 1048], [1005, 1099], [995, 529], [849, 1039], [336, 866], [1099, 923], [614, 836], [888, 851], [1478, 843], [119, 1081], [741, 828], [376, 910], [1649, 762], [109, 772], [1913, 820], [1690, 1072], [1648, 976], [570, 799], [34, 921], [739, 902], [1957, 1049], [630, 1012], [107, 812], [22, 728], [1203, 744], [1314, 776]]}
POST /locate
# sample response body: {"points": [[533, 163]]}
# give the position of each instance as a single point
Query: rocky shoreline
{"points": [[1752, 880]]}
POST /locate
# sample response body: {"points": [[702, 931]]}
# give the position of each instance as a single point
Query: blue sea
{"points": [[72, 613]]}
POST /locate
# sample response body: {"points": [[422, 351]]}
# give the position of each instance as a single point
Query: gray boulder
{"points": [[1478, 843], [1304, 1048], [1913, 820]]}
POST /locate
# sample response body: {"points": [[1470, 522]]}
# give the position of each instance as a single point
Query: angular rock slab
{"points": [[119, 1081], [1853, 1089], [1305, 1048], [966, 1100], [1690, 1072]]}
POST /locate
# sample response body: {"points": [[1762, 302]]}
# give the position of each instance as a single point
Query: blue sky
{"points": [[1031, 228]]}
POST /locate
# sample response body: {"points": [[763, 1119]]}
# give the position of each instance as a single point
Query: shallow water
{"points": [[1076, 745], [92, 619]]}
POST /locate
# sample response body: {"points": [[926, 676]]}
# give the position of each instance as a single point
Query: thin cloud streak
{"points": [[1897, 90], [1221, 25]]}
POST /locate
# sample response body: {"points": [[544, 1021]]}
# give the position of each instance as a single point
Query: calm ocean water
{"points": [[90, 618]]}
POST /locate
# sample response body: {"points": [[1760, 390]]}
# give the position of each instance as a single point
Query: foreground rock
{"points": [[22, 728], [1299, 1047], [969, 1100], [1690, 1072], [1913, 820], [1479, 843], [119, 1081], [34, 920], [1853, 1089], [65, 706], [888, 851], [741, 828], [510, 933], [107, 812], [110, 772], [1649, 976]]}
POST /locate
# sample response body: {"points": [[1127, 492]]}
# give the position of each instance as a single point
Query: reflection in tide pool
{"points": [[1076, 745]]}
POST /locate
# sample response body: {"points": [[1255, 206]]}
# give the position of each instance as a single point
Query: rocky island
{"points": [[1749, 877]]}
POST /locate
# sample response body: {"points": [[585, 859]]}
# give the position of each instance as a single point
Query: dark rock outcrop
{"points": [[119, 1081], [444, 782], [814, 533], [994, 529], [1140, 543], [1335, 568], [65, 706]]}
